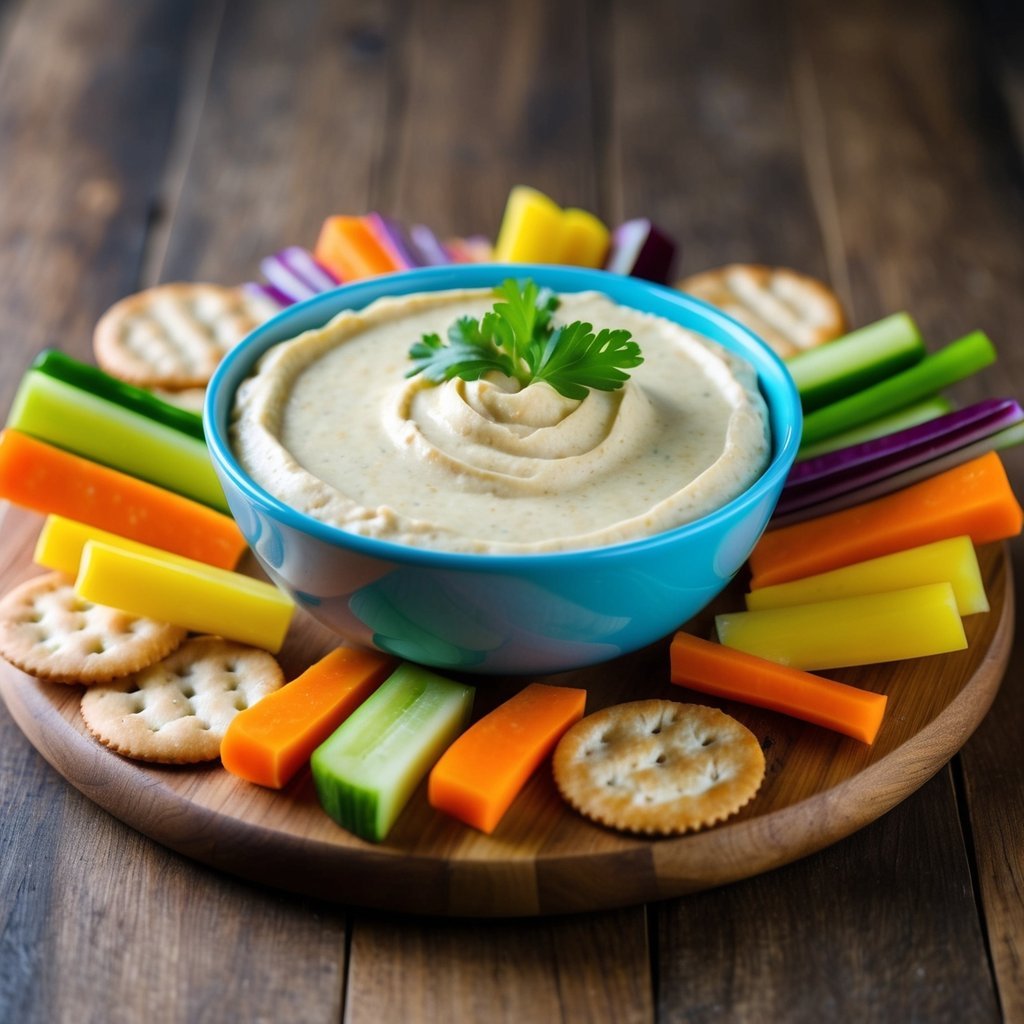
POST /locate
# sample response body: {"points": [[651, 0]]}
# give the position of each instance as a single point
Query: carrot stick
{"points": [[974, 498], [723, 672], [480, 774], [270, 741], [49, 480], [349, 249]]}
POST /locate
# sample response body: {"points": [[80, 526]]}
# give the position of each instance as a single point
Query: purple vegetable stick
{"points": [[301, 263], [268, 291], [862, 452], [284, 279], [640, 249], [431, 251], [994, 442], [841, 481]]}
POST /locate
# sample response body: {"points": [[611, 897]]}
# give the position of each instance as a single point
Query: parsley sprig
{"points": [[517, 338]]}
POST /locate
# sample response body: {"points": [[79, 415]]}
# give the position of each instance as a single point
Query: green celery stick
{"points": [[81, 422], [911, 416], [826, 373], [54, 363], [950, 364], [368, 768]]}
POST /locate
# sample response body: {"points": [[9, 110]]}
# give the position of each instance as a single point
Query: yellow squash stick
{"points": [[851, 630], [531, 228], [585, 239], [61, 541], [946, 561], [197, 596]]}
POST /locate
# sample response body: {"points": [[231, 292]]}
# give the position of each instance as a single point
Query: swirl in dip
{"points": [[330, 425]]}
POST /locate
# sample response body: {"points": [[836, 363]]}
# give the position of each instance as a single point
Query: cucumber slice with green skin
{"points": [[911, 416], [80, 421], [368, 768], [947, 366], [829, 372], [92, 379]]}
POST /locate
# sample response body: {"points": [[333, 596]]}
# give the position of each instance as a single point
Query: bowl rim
{"points": [[238, 363]]}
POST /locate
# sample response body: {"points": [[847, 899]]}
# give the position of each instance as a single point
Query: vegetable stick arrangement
{"points": [[870, 557]]}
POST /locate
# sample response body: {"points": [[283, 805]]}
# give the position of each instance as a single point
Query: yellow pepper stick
{"points": [[61, 540], [953, 561], [862, 630], [585, 240], [199, 597], [531, 228]]}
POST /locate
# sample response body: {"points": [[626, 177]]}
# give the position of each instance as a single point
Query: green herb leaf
{"points": [[516, 338]]}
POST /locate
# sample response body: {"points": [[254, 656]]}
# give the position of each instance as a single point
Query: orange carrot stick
{"points": [[974, 498], [724, 672], [350, 250], [48, 479], [479, 775], [269, 742]]}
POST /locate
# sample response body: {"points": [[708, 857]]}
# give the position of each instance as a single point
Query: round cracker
{"points": [[789, 310], [174, 335], [48, 631], [658, 767], [177, 711]]}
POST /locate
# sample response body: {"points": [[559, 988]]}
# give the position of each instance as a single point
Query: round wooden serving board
{"points": [[543, 858]]}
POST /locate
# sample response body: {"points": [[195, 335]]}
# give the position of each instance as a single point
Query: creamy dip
{"points": [[330, 425]]}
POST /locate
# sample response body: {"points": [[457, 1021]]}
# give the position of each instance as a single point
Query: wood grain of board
{"points": [[542, 858]]}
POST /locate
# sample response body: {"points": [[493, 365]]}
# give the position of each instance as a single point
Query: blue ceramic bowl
{"points": [[531, 613]]}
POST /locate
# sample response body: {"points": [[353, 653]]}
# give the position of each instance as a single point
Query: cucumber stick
{"points": [[86, 377], [62, 414], [828, 372], [368, 768], [954, 362]]}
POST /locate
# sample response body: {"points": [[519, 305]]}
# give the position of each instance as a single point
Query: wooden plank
{"points": [[926, 181], [104, 924], [703, 134], [87, 100], [291, 131], [993, 774], [926, 207], [994, 785], [207, 944], [592, 967], [881, 927], [88, 93], [787, 185], [528, 117]]}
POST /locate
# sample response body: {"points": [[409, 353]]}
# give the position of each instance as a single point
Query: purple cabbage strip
{"points": [[268, 291], [294, 273], [284, 279], [1005, 438], [303, 265], [948, 425], [985, 425], [428, 246], [640, 249]]}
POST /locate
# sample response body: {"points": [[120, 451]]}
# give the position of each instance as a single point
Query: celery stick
{"points": [[950, 364], [829, 372], [81, 375], [84, 423], [368, 768], [911, 416]]}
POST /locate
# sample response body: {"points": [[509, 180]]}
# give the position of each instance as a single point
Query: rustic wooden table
{"points": [[878, 145]]}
